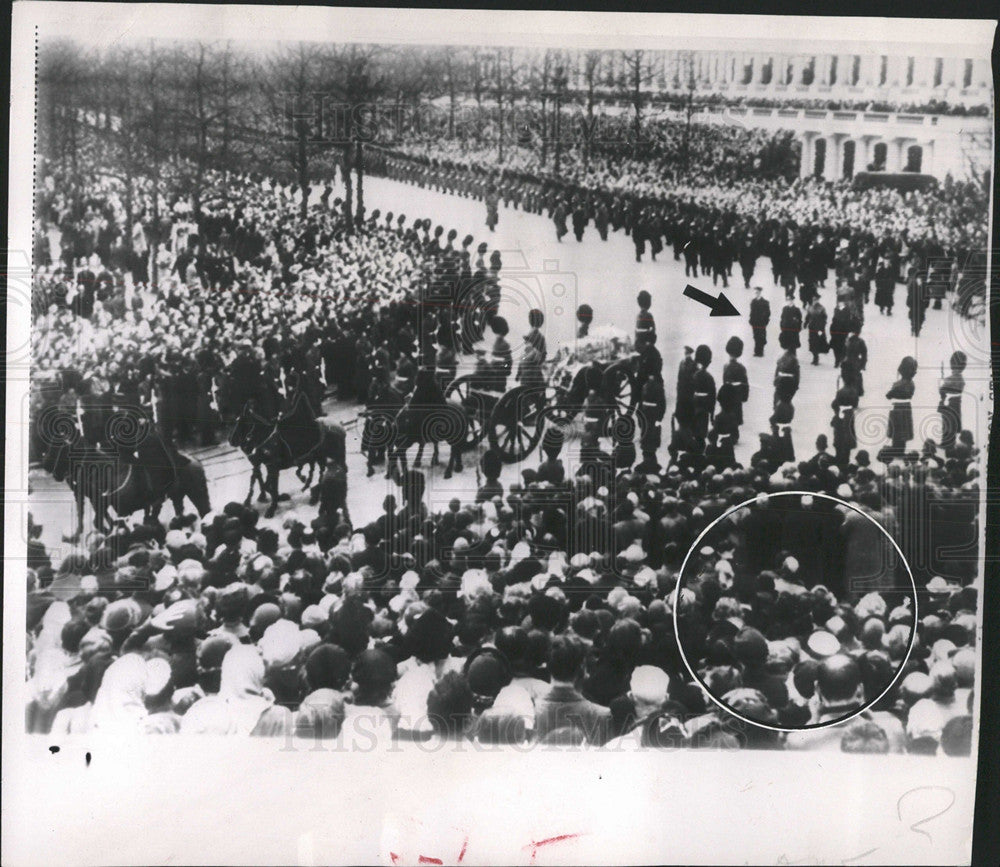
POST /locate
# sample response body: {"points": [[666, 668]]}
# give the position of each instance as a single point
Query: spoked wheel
{"points": [[462, 391], [558, 408], [621, 387], [516, 424]]}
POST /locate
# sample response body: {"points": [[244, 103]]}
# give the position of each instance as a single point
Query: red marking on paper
{"points": [[546, 842], [423, 859]]}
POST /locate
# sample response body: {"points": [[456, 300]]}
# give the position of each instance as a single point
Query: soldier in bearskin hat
{"points": [[735, 390], [703, 385]]}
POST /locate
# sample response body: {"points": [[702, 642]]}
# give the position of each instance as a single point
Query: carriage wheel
{"points": [[559, 410], [516, 424], [622, 388], [461, 389]]}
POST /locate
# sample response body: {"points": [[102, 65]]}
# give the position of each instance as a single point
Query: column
{"points": [[808, 154], [894, 160], [869, 70], [863, 154], [982, 74], [951, 73], [823, 63], [831, 165], [923, 71], [927, 167]]}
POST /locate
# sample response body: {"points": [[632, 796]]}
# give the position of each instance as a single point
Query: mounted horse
{"points": [[427, 417], [297, 439], [138, 471]]}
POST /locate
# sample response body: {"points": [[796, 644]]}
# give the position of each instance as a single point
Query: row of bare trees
{"points": [[176, 110]]}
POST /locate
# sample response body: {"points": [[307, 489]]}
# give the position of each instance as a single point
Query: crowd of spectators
{"points": [[543, 613], [317, 301]]}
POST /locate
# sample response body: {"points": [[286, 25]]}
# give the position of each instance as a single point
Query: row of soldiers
{"points": [[711, 240]]}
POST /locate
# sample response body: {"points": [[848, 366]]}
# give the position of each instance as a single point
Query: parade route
{"points": [[556, 277]]}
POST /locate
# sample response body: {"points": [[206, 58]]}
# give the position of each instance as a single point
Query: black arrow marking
{"points": [[720, 306]]}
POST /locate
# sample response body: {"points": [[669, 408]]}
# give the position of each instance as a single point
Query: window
{"points": [[938, 72], [856, 70], [909, 71], [967, 74], [819, 158], [850, 149], [879, 155], [914, 158], [809, 71], [883, 71], [833, 69]]}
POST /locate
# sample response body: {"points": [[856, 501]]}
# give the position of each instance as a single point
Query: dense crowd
{"points": [[251, 301], [542, 613]]}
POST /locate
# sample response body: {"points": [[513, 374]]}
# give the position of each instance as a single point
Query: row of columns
{"points": [[864, 153], [828, 70]]}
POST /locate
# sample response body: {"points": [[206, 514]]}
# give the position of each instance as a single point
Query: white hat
{"points": [[649, 684]]}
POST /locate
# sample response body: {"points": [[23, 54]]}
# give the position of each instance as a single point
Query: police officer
{"points": [[760, 316]]}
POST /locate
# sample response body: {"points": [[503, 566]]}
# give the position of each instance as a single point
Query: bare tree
{"points": [[636, 76], [293, 84], [591, 73], [687, 80]]}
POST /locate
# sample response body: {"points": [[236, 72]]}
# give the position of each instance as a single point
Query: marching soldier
{"points": [[950, 405], [735, 390], [652, 408], [645, 327], [704, 392], [845, 402], [684, 410]]}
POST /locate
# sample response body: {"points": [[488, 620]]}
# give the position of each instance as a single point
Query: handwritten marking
{"points": [[53, 749], [546, 842], [916, 825], [465, 845], [87, 759], [862, 855], [423, 859]]}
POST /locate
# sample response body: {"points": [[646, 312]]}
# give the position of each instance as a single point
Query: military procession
{"points": [[531, 590]]}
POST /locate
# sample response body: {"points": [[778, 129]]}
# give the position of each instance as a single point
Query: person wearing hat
{"points": [[841, 325], [703, 393], [901, 415], [815, 324], [645, 327], [559, 216], [760, 316], [844, 405], [684, 408], [652, 409], [917, 299], [584, 316], [735, 390], [885, 285], [551, 469], [950, 405], [647, 693]]}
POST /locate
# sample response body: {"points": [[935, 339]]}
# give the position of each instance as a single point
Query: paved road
{"points": [[556, 277]]}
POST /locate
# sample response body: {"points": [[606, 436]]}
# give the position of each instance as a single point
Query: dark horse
{"points": [[248, 433], [297, 439], [427, 417], [118, 483]]}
